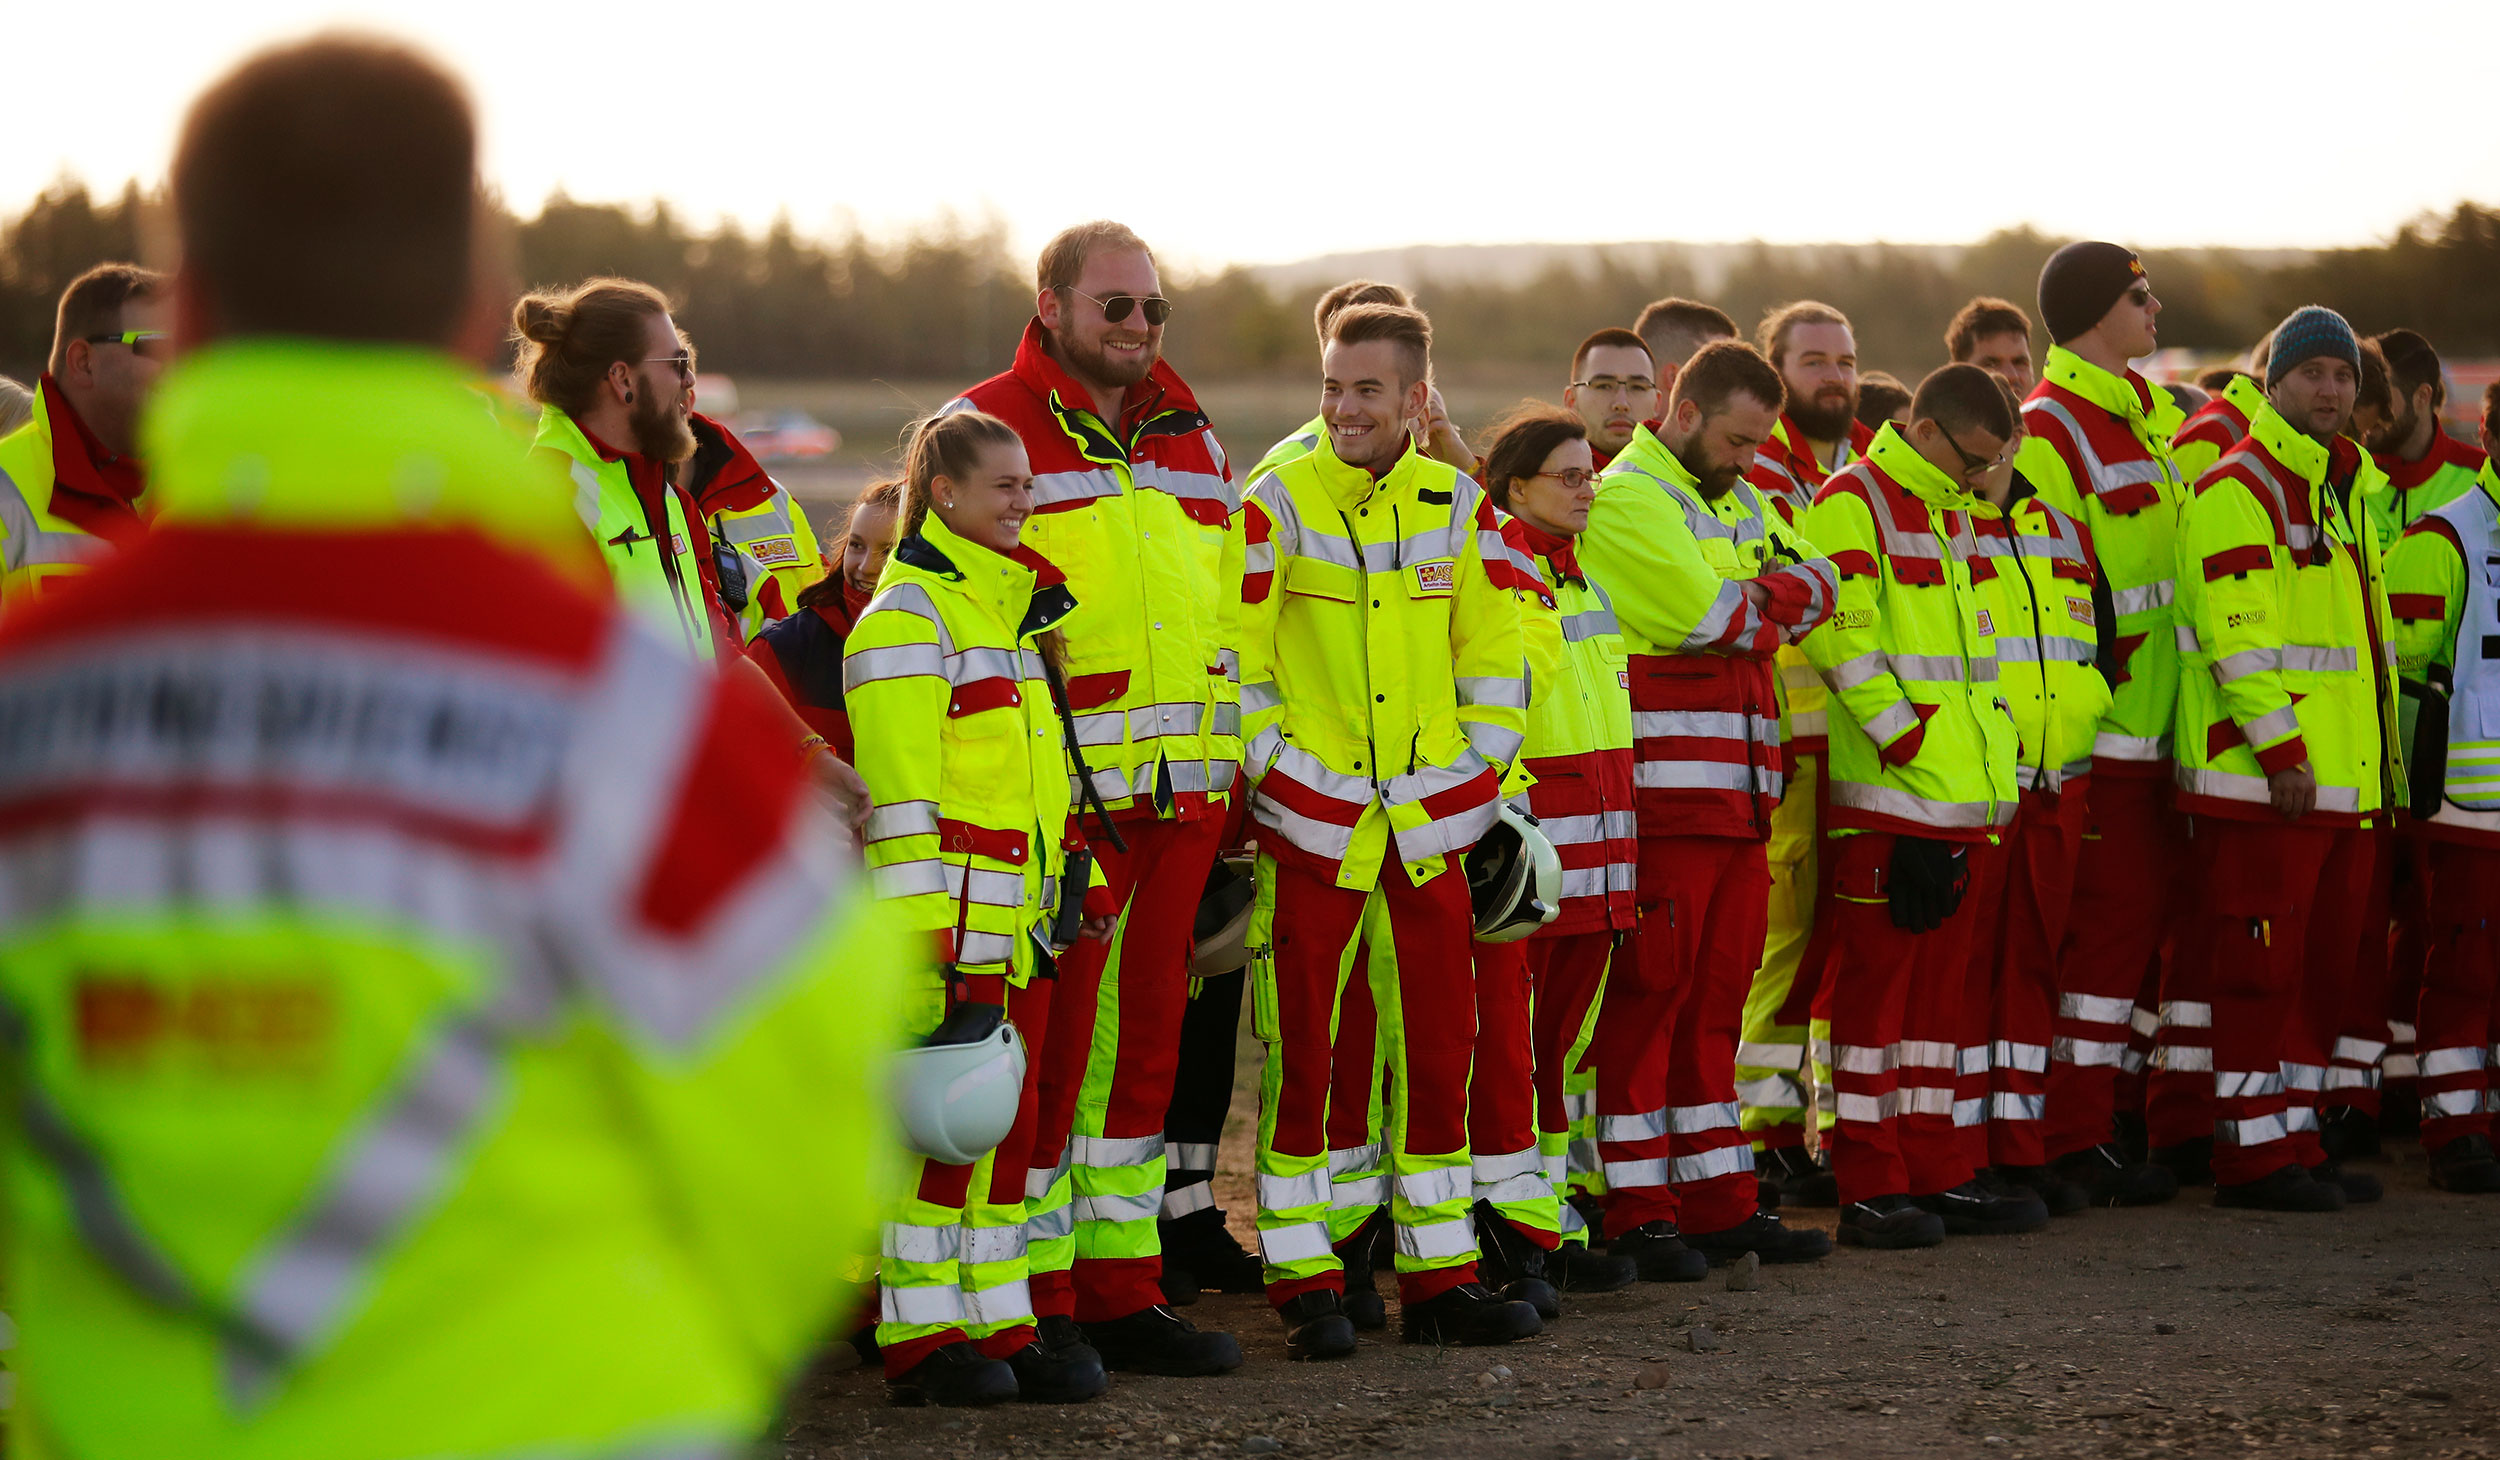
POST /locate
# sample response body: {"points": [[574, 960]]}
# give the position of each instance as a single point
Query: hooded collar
{"points": [[1915, 474], [723, 476], [1022, 588], [93, 489], [2446, 451], [1792, 442], [1351, 486], [2127, 394], [2299, 452], [1040, 371]]}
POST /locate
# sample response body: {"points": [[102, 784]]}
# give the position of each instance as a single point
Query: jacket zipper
{"points": [[1362, 614], [2039, 632]]}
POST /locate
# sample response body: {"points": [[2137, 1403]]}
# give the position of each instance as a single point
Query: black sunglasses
{"points": [[1972, 466], [1116, 308]]}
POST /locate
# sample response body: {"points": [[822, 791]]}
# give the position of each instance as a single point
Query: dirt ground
{"points": [[2178, 1330]]}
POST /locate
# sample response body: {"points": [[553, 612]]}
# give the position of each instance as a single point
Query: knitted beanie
{"points": [[2080, 282], [2313, 330]]}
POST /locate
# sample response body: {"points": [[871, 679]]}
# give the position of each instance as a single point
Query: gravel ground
{"points": [[2179, 1330]]}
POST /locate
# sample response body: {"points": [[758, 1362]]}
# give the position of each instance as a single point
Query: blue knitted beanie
{"points": [[2312, 330]]}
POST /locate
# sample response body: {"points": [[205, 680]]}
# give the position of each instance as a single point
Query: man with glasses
{"points": [[1614, 388], [1921, 761], [69, 478], [1132, 499]]}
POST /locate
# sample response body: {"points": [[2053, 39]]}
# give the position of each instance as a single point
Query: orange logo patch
{"points": [[1436, 577], [2080, 610], [226, 1027], [1987, 625], [775, 552]]}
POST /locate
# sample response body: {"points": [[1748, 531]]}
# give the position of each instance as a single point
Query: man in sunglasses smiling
{"points": [[1133, 501], [69, 481]]}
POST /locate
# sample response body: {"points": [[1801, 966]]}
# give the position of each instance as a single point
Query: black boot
{"points": [[2348, 1133], [2133, 1137], [2191, 1162], [2287, 1188], [1576, 1267], [954, 1376], [1045, 1375], [1972, 1210], [1508, 1262], [2109, 1179], [2360, 1188], [2466, 1165], [1316, 1326], [1363, 1302], [1766, 1194], [1469, 1313], [1765, 1236], [1157, 1340], [1060, 1334], [1890, 1221], [1659, 1255], [1201, 1246], [1802, 1180], [2063, 1198]]}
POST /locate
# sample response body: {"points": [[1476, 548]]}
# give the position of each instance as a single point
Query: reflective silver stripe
{"points": [[1433, 1186], [26, 544], [1892, 722], [1589, 623], [985, 888], [585, 494], [992, 1244], [1929, 1054], [1112, 1209], [2086, 1052], [1715, 621], [1261, 697], [1038, 1180], [2047, 648], [1971, 1112], [2246, 662], [1005, 1303], [2247, 1084], [902, 1242], [1941, 668], [1705, 775], [2184, 1059], [2299, 1076], [1438, 1240], [2095, 1008], [1771, 1056], [2298, 536], [2451, 1104], [863, 667], [2256, 1132], [1865, 1059], [1925, 1100], [2434, 1063], [1356, 1160], [1502, 691], [976, 948], [1113, 1152], [2004, 1105], [1359, 1193], [1867, 1108], [902, 818], [1297, 1242], [1189, 1155], [1488, 1170], [2111, 745], [918, 877], [1180, 1201], [297, 1290], [1687, 1120], [1709, 1165], [1771, 1092], [2011, 1054], [2143, 598], [2223, 785], [1285, 1193], [1646, 1125], [1623, 1175], [2350, 1050], [1050, 489], [925, 1307], [2186, 1014], [1902, 806], [2316, 659]]}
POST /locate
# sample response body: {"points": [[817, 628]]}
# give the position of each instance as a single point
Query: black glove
{"points": [[1927, 881]]}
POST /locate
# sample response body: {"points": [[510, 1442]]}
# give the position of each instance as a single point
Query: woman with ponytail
{"points": [[802, 654], [952, 684]]}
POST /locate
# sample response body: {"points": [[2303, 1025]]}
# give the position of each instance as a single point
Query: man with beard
{"points": [[1673, 329], [2426, 467], [1812, 348], [1708, 583], [1132, 500], [614, 382], [1614, 388], [1995, 335]]}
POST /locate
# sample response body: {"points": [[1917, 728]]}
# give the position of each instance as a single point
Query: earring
{"points": [[629, 397]]}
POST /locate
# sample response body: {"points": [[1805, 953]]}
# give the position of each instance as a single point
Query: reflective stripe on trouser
{"points": [[2246, 948], [1776, 1046], [1507, 1164], [2457, 1031], [1896, 1032], [1116, 1084], [1567, 979], [1667, 1123], [2001, 1095], [2130, 873], [1303, 933], [2348, 1012], [1202, 1093], [1358, 1162], [954, 1261]]}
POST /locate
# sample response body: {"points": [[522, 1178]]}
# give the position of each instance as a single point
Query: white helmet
{"points": [[1514, 878], [1220, 938], [958, 1090]]}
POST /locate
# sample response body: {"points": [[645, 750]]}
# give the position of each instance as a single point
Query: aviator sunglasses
{"points": [[1116, 308]]}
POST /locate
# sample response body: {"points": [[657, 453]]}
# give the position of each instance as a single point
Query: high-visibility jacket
{"points": [[956, 735], [2411, 489], [801, 656], [2283, 628], [1142, 515], [1787, 473], [661, 567], [1382, 666], [1921, 743], [52, 526], [753, 522], [2216, 427], [421, 1057], [2049, 636], [2097, 448], [1292, 448], [2447, 620], [1579, 742], [1707, 758]]}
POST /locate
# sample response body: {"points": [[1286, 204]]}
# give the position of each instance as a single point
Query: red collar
{"points": [[1041, 372], [2446, 450], [92, 489], [1556, 551], [724, 476]]}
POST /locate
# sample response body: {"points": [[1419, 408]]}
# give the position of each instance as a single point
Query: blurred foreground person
{"points": [[69, 476], [412, 1057]]}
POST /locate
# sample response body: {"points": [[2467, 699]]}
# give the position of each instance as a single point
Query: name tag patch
{"points": [[2080, 610], [1987, 625], [1436, 577], [676, 543], [775, 552]]}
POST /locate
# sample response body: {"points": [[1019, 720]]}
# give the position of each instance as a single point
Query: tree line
{"points": [[945, 302]]}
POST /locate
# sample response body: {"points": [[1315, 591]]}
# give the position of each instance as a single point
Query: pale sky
{"points": [[1272, 132]]}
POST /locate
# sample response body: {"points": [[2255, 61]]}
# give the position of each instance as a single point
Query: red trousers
{"points": [[1028, 1008], [2408, 949], [1430, 1047], [1666, 1039], [1355, 1093], [1566, 974], [2348, 1006], [2021, 897], [1125, 1029], [1501, 1088], [2129, 874], [1896, 1001], [2459, 1023], [2252, 949]]}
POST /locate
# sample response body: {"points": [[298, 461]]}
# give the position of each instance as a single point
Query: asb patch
{"points": [[1438, 576], [2080, 610], [1987, 625], [775, 552]]}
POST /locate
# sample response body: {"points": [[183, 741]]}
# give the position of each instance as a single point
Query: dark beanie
{"points": [[2313, 330], [2080, 282]]}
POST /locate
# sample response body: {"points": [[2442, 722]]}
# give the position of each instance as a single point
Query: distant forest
{"points": [[946, 301]]}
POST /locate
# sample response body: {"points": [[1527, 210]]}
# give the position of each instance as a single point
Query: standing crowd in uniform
{"points": [[1747, 786]]}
